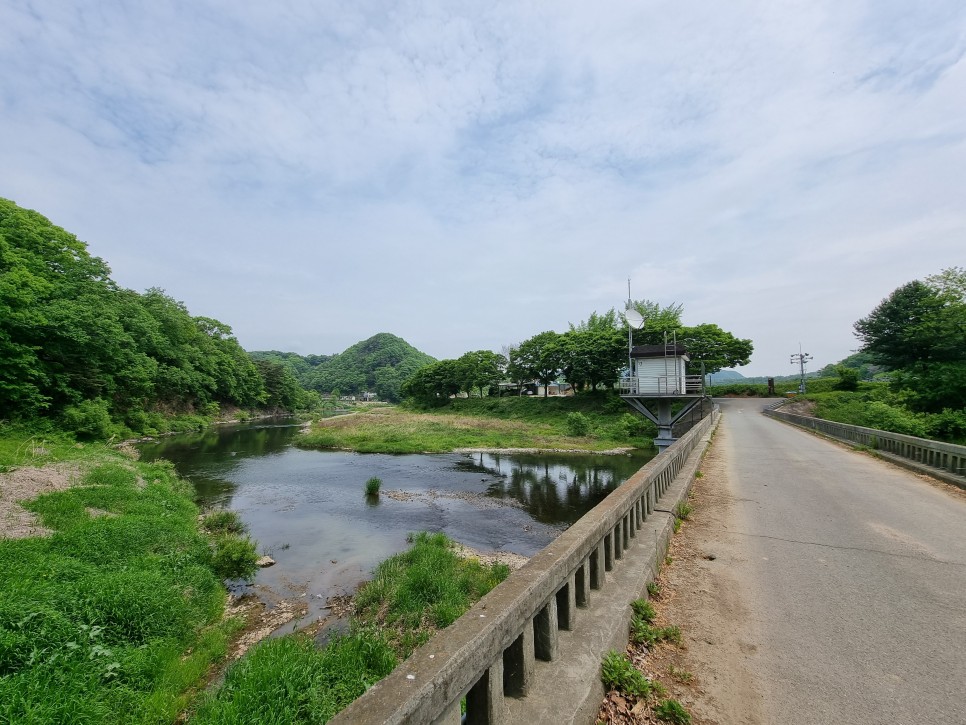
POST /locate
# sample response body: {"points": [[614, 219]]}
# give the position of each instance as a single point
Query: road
{"points": [[850, 578]]}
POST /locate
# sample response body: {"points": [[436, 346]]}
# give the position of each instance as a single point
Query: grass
{"points": [[115, 617], [411, 595], [605, 423], [672, 711], [617, 672], [644, 631], [653, 589], [373, 485]]}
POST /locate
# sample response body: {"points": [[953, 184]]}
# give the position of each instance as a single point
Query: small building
{"points": [[660, 370]]}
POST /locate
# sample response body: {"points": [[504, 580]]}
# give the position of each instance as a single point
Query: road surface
{"points": [[848, 577]]}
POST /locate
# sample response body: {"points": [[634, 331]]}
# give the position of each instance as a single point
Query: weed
{"points": [[618, 673], [647, 634], [643, 609], [653, 589], [698, 474], [234, 557], [668, 560], [224, 522], [677, 524], [673, 712], [373, 485], [684, 510], [679, 674]]}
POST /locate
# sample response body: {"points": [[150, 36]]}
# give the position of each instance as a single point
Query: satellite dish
{"points": [[634, 318]]}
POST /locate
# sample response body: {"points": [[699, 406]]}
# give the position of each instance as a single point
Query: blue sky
{"points": [[467, 175]]}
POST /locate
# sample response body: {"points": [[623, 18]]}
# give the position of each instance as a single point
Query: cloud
{"points": [[467, 175]]}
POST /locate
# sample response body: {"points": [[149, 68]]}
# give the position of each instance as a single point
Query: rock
{"points": [[265, 561]]}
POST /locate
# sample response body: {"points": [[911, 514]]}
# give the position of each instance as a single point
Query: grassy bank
{"points": [[585, 422], [114, 615], [876, 405], [411, 595]]}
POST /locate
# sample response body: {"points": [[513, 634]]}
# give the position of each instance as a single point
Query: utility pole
{"points": [[801, 358]]}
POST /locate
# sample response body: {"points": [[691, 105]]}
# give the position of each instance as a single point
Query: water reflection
{"points": [[555, 488]]}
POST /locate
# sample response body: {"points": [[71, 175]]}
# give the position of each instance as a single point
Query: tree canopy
{"points": [[77, 348], [919, 333]]}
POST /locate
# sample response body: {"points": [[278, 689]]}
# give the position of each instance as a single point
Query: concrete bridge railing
{"points": [[947, 457], [489, 655]]}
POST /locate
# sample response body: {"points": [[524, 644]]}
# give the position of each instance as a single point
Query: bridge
{"points": [[853, 573]]}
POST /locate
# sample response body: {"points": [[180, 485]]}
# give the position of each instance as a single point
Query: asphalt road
{"points": [[854, 576]]}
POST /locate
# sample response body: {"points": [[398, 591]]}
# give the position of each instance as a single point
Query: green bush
{"points": [[373, 485], [234, 557], [224, 522], [90, 419], [577, 424], [848, 378]]}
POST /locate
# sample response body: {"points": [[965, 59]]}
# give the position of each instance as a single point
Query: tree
{"points": [[542, 357], [919, 332], [481, 369], [434, 384], [714, 347]]}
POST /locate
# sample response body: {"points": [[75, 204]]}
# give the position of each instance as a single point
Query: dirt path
{"points": [[701, 595]]}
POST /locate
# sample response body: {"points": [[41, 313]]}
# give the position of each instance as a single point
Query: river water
{"points": [[307, 509]]}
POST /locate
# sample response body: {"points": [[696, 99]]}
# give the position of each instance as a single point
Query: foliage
{"points": [[112, 619], [511, 422], [539, 358], [479, 370], [714, 347], [672, 711], [380, 364], [78, 349], [919, 332], [577, 424], [617, 672], [289, 680], [643, 609], [848, 378], [234, 557], [373, 485], [223, 522]]}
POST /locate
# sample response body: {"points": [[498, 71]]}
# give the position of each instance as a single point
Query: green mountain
{"points": [[380, 364]]}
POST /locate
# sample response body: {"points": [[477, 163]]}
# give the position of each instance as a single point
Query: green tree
{"points": [[919, 332], [434, 384], [713, 346], [541, 358], [480, 369]]}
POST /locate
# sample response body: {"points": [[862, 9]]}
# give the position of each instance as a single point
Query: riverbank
{"points": [[111, 595], [585, 424]]}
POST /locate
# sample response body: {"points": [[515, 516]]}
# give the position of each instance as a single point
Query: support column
{"points": [[518, 664], [545, 640], [484, 702]]}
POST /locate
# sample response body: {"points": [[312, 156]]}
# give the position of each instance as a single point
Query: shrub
{"points": [[224, 522], [234, 557], [88, 419], [848, 378], [577, 424], [373, 485]]}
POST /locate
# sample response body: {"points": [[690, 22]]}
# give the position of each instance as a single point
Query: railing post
{"points": [[545, 638], [451, 715], [485, 704], [598, 566], [567, 604], [582, 580], [626, 530], [518, 664], [608, 551], [618, 539]]}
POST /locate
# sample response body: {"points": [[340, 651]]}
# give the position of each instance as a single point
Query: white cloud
{"points": [[467, 175]]}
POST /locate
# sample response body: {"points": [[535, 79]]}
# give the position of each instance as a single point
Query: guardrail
{"points": [[662, 385], [489, 654], [944, 456]]}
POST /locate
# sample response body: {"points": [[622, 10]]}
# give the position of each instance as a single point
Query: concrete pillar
{"points": [[626, 530], [618, 538], [609, 551], [597, 566], [484, 702], [518, 664], [567, 605], [582, 582], [545, 640]]}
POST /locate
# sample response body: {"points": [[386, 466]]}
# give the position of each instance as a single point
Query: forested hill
{"points": [[380, 364], [84, 354]]}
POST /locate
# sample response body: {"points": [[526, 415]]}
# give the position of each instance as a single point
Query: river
{"points": [[307, 509]]}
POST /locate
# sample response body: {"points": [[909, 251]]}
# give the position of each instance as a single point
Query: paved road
{"points": [[854, 574]]}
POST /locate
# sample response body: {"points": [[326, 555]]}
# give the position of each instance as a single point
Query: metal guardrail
{"points": [[662, 385], [488, 655], [944, 456]]}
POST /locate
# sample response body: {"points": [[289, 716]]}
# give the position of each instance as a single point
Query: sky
{"points": [[466, 175]]}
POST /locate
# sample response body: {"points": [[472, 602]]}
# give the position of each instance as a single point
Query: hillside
{"points": [[380, 364]]}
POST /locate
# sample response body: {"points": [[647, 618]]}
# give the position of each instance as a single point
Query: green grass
{"points": [[673, 712], [412, 594], [115, 616], [604, 423], [617, 672], [653, 589], [373, 485]]}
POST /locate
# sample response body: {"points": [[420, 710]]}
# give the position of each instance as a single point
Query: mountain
{"points": [[380, 364], [723, 377]]}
